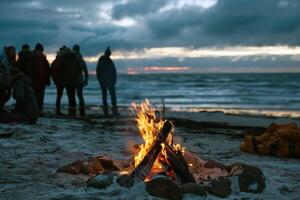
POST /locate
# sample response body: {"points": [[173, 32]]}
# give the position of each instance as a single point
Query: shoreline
{"points": [[213, 117]]}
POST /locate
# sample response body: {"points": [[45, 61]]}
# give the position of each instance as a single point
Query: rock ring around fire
{"points": [[164, 187]]}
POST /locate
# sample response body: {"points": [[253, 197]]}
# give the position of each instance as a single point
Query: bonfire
{"points": [[158, 154], [161, 156]]}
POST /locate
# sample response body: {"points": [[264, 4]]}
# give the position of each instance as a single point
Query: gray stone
{"points": [[125, 181], [164, 187], [73, 168], [220, 188], [251, 179], [101, 181], [193, 188]]}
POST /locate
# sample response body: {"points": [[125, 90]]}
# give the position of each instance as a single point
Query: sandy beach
{"points": [[31, 154]]}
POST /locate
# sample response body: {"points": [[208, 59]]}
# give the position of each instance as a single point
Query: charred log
{"points": [[143, 169], [178, 165]]}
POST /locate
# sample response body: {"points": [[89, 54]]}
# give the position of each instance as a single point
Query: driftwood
{"points": [[178, 165], [143, 169]]}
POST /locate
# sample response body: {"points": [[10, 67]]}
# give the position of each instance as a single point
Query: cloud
{"points": [[229, 22], [137, 8], [158, 69], [135, 24], [140, 26]]}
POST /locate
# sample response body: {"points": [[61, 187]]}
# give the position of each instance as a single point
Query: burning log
{"points": [[144, 167], [178, 165], [158, 155]]}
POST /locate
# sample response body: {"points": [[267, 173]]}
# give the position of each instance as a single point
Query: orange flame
{"points": [[149, 125], [149, 122]]}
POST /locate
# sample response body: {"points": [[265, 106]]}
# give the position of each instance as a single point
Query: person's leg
{"points": [[112, 92], [80, 96], [42, 97], [79, 90], [71, 99], [59, 93], [39, 92], [104, 99]]}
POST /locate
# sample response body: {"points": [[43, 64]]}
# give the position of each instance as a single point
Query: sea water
{"points": [[261, 92]]}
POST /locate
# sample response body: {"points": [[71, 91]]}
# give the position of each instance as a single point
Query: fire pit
{"points": [[167, 168]]}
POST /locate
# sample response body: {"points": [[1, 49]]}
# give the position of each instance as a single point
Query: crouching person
{"points": [[26, 109]]}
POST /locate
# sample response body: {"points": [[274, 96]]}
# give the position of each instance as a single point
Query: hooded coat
{"points": [[26, 103], [69, 69], [4, 61], [43, 70], [4, 79], [28, 64], [5, 66], [106, 71], [54, 70], [4, 82], [82, 79]]}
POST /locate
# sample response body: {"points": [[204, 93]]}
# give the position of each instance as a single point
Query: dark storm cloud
{"points": [[159, 23], [137, 8], [230, 22]]}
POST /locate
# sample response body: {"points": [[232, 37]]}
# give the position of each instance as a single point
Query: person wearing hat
{"points": [[26, 109], [82, 80], [43, 78], [107, 77]]}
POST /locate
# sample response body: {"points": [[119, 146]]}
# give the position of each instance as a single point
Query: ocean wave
{"points": [[247, 112]]}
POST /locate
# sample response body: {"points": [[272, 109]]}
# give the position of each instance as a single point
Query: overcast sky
{"points": [[163, 35]]}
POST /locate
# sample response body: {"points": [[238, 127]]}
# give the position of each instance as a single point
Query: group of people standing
{"points": [[67, 72], [25, 79]]}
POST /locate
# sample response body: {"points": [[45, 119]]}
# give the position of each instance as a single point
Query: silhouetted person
{"points": [[26, 109], [43, 78], [7, 62], [107, 77], [27, 63], [82, 80], [12, 56], [69, 71], [56, 76], [8, 58]]}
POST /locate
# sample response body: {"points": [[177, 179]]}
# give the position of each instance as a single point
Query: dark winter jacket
{"points": [[106, 71], [54, 70], [69, 69], [43, 70], [25, 99], [4, 82], [83, 71], [6, 64], [4, 79], [28, 64]]}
